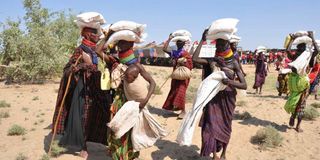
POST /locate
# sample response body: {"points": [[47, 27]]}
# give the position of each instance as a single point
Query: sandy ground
{"points": [[32, 107]]}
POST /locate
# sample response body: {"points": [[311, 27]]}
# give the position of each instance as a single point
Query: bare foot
{"points": [[84, 154], [299, 130], [182, 114]]}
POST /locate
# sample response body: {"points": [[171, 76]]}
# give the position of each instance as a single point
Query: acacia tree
{"points": [[41, 50]]}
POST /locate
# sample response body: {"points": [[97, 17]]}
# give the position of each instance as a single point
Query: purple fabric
{"points": [[216, 120], [261, 72], [176, 53]]}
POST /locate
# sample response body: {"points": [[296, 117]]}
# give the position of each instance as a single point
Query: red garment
{"points": [[314, 72], [176, 99]]}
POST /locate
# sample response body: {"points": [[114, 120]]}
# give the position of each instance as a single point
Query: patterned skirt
{"points": [[121, 149]]}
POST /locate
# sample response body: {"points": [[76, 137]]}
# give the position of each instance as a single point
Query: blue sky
{"points": [[261, 22]]}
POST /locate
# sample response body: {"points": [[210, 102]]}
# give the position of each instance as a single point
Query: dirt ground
{"points": [[32, 107]]}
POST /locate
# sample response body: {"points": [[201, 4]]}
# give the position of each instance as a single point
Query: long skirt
{"points": [[121, 149], [216, 121], [176, 99]]}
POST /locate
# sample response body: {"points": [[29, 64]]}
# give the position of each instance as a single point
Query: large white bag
{"points": [[220, 35], [128, 25], [223, 25], [181, 38], [125, 118], [302, 62], [301, 33], [182, 32], [126, 35], [302, 39], [208, 88], [90, 19], [146, 131]]}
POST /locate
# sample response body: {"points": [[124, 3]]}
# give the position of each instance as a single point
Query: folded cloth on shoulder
{"points": [[208, 88]]}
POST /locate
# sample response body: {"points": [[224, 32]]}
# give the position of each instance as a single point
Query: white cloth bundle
{"points": [[128, 31], [223, 25], [125, 118], [126, 35], [220, 35], [208, 88], [303, 39], [235, 39], [128, 25], [182, 35], [301, 33], [181, 38], [302, 62], [285, 71], [146, 131], [90, 20], [262, 49], [181, 32], [222, 29]]}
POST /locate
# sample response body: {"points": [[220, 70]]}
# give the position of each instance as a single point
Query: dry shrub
{"points": [[315, 105], [243, 116], [56, 150], [241, 103], [157, 91], [4, 104], [21, 156], [310, 113], [267, 137], [16, 130]]}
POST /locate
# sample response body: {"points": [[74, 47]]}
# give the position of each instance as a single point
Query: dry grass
{"points": [[4, 104], [310, 113], [4, 114], [315, 105], [56, 150], [241, 103], [45, 157], [157, 91], [35, 98], [21, 156], [243, 116], [267, 137], [16, 130]]}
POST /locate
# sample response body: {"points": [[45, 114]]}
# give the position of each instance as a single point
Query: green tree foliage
{"points": [[40, 50]]}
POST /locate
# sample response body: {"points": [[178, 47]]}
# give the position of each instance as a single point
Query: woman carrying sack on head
{"points": [[122, 148], [182, 65]]}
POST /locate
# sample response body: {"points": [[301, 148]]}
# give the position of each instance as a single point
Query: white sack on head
{"points": [[223, 25], [90, 20], [181, 32], [262, 49], [234, 39], [124, 35], [129, 25], [125, 118], [220, 35], [181, 38], [304, 39], [301, 33]]}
